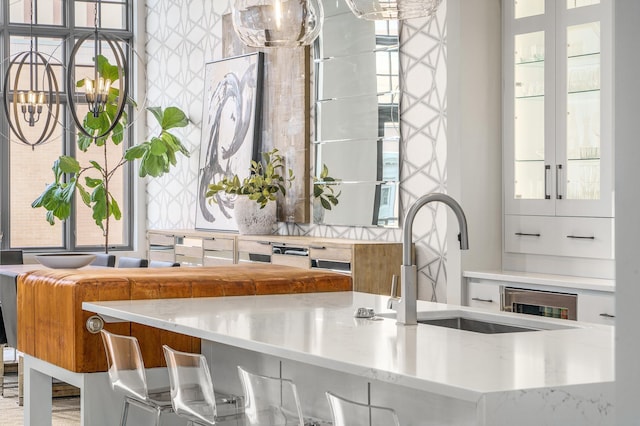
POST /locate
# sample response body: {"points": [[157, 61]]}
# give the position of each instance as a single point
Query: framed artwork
{"points": [[230, 138]]}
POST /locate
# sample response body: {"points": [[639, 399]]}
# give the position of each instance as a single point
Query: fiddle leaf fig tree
{"points": [[91, 181]]}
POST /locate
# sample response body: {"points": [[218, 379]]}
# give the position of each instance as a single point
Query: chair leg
{"points": [[158, 412], [125, 412]]}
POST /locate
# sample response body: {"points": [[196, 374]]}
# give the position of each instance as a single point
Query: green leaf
{"points": [[106, 70], [68, 164], [86, 198], [325, 203], [136, 151], [325, 172], [91, 182], [157, 113], [117, 135], [115, 209], [158, 147], [173, 117], [39, 202]]}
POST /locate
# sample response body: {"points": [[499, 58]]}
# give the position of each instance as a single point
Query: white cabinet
{"points": [[483, 295], [596, 307], [595, 297], [557, 136], [558, 148]]}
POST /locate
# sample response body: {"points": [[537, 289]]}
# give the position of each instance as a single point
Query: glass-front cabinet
{"points": [[558, 148]]}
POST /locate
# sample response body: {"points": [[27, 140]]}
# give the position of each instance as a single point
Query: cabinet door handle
{"points": [[579, 237], [605, 315], [478, 299], [547, 171], [524, 234], [558, 170]]}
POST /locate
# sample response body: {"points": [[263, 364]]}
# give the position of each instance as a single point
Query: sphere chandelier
{"points": [[103, 83], [31, 95]]}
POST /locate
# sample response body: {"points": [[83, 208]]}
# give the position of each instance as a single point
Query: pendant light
{"points": [[37, 107], [393, 9], [99, 82], [277, 23]]}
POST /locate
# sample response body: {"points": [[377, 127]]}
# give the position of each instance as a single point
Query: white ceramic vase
{"points": [[251, 219]]}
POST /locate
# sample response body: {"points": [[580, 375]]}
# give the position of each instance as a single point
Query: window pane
{"points": [[49, 12], [113, 14], [29, 227], [45, 12]]}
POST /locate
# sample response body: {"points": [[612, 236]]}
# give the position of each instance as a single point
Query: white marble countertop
{"points": [[565, 281], [319, 329]]}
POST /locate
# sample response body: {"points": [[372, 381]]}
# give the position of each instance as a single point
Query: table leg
{"points": [[2, 369], [37, 402]]}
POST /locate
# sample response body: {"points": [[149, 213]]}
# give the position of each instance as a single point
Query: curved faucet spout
{"points": [[407, 226], [407, 312]]}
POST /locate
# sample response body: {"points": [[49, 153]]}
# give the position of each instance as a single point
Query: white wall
{"points": [[627, 149], [474, 153]]}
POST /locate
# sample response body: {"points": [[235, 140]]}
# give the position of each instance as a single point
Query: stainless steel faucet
{"points": [[407, 306]]}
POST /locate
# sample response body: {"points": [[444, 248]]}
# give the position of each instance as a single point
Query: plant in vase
{"points": [[325, 194], [157, 155], [254, 205]]}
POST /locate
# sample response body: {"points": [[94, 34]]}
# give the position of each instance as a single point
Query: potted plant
{"points": [[324, 194], [91, 181], [254, 206]]}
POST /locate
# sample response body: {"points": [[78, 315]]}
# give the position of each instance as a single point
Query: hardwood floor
{"points": [[65, 412]]}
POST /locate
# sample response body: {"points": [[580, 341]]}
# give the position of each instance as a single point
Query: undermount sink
{"points": [[475, 325], [486, 323]]}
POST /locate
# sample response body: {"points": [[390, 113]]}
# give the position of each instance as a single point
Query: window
{"points": [[25, 172]]}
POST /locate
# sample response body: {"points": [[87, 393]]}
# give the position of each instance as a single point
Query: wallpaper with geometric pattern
{"points": [[182, 36]]}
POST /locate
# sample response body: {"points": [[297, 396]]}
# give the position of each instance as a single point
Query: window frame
{"points": [[68, 33]]}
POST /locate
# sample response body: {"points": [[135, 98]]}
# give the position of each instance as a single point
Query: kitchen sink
{"points": [[487, 323], [476, 326]]}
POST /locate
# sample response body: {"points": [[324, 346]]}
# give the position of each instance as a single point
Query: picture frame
{"points": [[231, 128]]}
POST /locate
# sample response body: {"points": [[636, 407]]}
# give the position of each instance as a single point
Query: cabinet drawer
{"points": [[529, 234], [217, 258], [161, 240], [596, 307], [163, 255], [188, 251], [584, 237], [218, 244], [290, 260], [483, 295], [256, 247], [338, 254]]}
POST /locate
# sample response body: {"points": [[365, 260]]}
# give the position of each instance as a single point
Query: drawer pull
{"points": [[318, 247], [264, 243], [524, 234], [605, 315], [478, 299], [579, 237]]}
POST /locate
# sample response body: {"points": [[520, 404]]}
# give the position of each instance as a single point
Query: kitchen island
{"points": [[430, 374]]}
